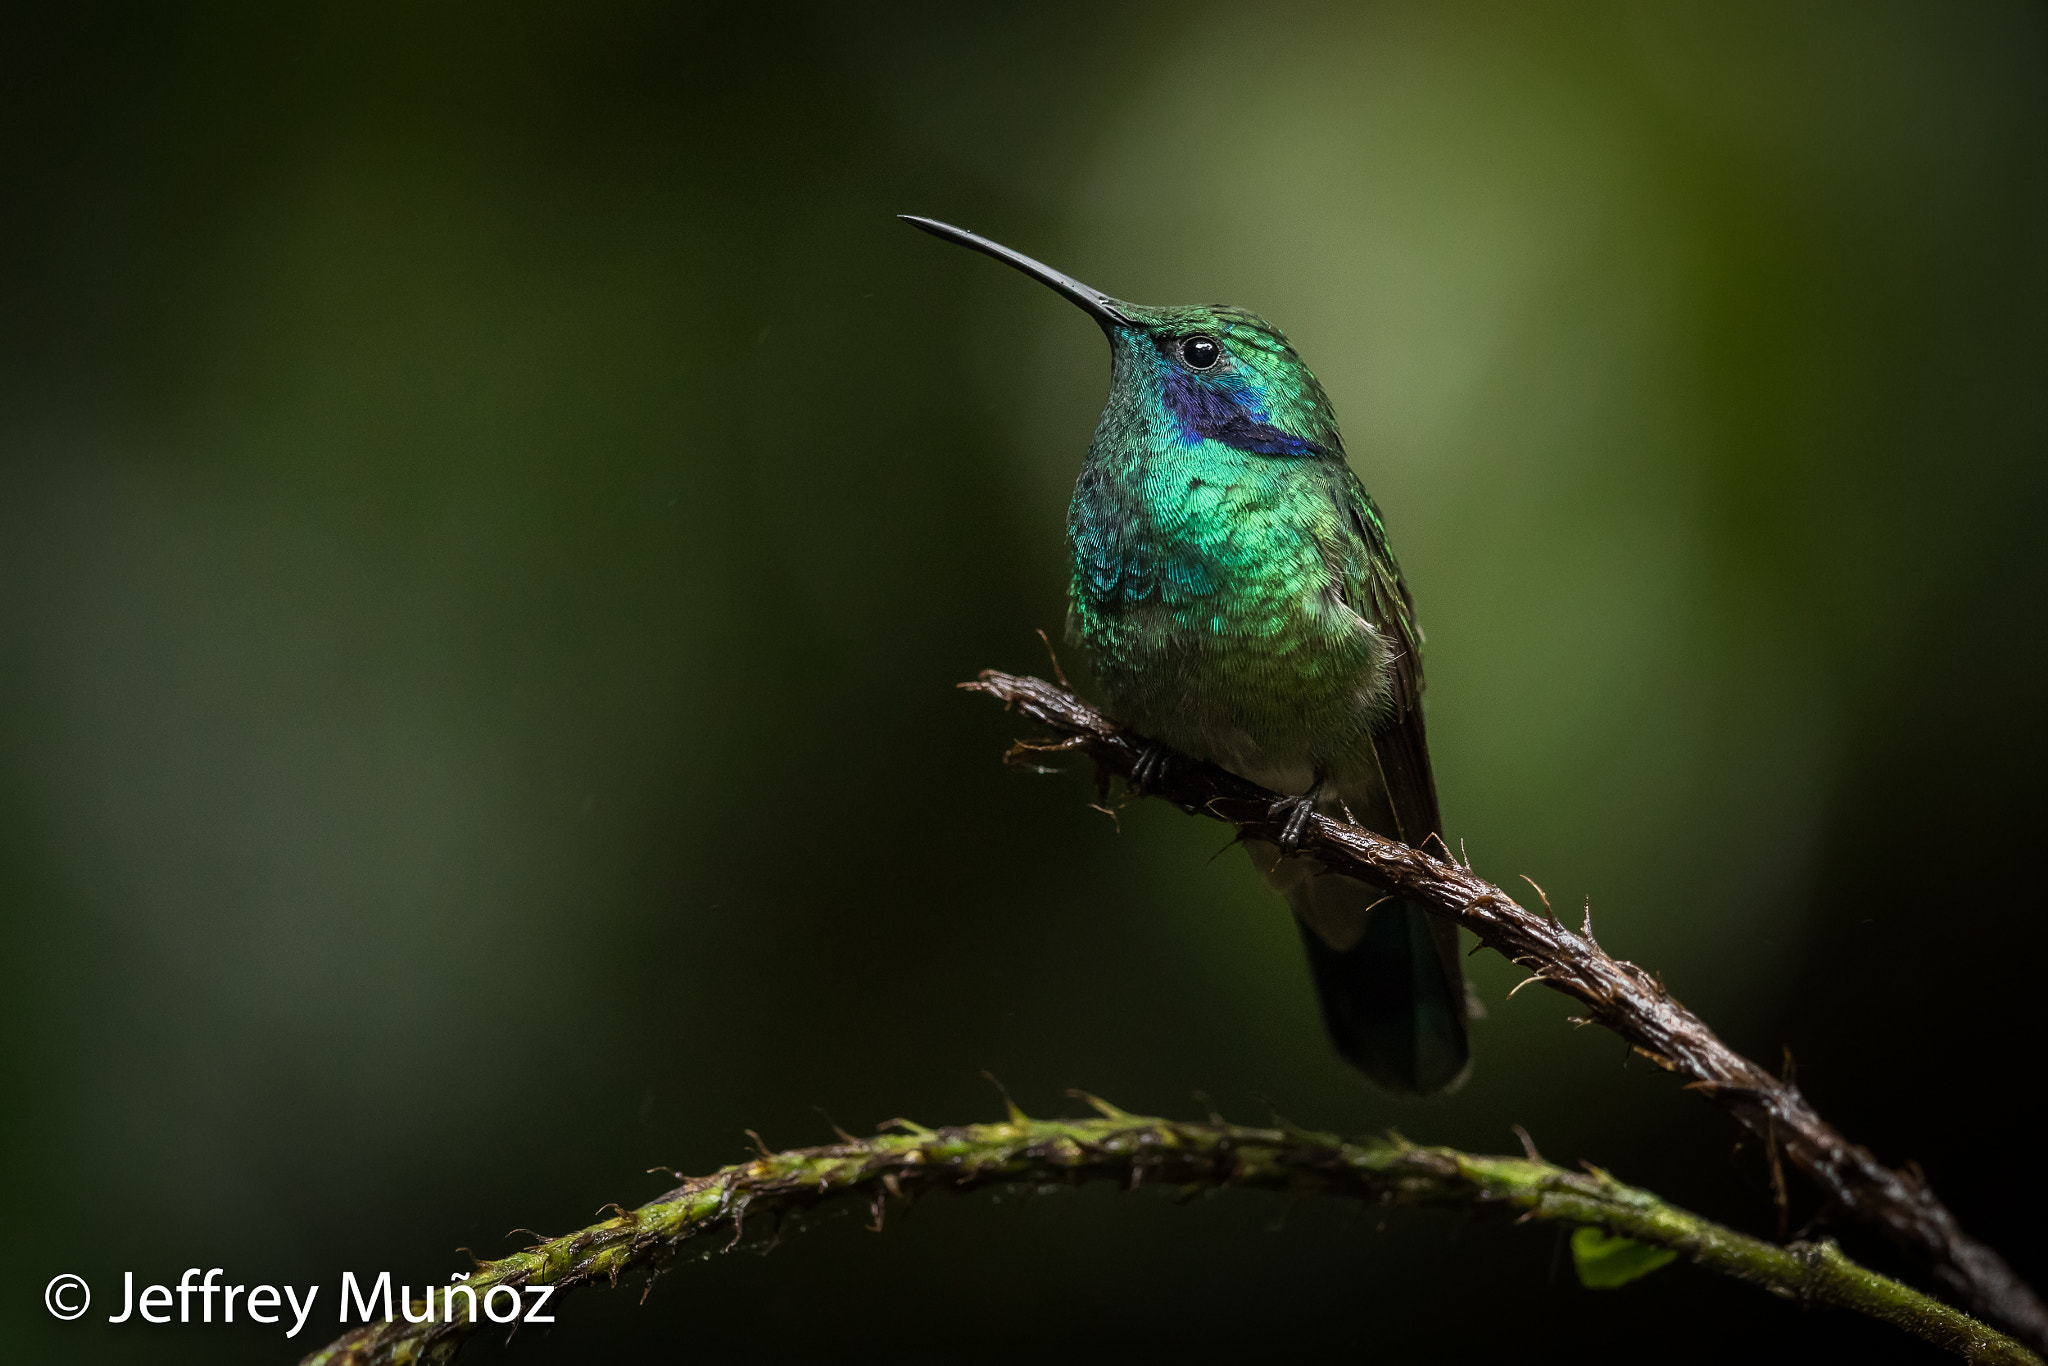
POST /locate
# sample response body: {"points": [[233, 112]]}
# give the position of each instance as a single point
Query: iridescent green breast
{"points": [[1205, 598]]}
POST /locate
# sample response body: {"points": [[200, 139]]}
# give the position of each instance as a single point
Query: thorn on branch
{"points": [[1100, 1106], [844, 1137], [1780, 1197], [1018, 755], [1053, 655], [1017, 1116]]}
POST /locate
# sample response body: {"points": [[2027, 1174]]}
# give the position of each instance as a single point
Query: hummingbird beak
{"points": [[1097, 305]]}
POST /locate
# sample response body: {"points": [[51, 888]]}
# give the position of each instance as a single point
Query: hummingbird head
{"points": [[1191, 373]]}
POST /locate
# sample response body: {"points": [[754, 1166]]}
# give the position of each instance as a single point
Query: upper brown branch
{"points": [[1617, 994]]}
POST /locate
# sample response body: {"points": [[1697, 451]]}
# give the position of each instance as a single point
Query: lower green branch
{"points": [[1188, 1157]]}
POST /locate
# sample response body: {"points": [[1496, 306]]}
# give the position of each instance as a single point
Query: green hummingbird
{"points": [[1235, 593]]}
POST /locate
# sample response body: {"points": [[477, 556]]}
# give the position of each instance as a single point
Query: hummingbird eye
{"points": [[1200, 352]]}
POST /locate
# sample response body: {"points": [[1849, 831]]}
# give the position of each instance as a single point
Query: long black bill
{"points": [[1097, 305]]}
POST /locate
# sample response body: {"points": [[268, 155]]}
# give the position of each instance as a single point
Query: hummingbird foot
{"points": [[1150, 770], [1296, 811]]}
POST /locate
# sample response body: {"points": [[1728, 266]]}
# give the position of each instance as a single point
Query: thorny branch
{"points": [[1619, 995], [777, 1189]]}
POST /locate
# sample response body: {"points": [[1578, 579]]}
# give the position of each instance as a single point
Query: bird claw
{"points": [[1297, 811], [1150, 770]]}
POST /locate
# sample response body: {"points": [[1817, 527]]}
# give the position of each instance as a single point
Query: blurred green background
{"points": [[493, 508]]}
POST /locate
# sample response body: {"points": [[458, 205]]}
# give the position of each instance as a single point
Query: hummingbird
{"points": [[1235, 594]]}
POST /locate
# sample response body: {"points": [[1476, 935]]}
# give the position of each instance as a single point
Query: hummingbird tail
{"points": [[1390, 979]]}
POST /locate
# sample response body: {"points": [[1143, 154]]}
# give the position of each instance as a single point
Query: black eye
{"points": [[1200, 352]]}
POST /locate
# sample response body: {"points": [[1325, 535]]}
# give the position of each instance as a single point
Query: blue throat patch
{"points": [[1204, 414]]}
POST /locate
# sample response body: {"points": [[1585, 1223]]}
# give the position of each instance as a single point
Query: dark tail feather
{"points": [[1392, 1007]]}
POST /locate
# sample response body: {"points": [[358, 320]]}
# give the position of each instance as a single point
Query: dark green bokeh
{"points": [[493, 507]]}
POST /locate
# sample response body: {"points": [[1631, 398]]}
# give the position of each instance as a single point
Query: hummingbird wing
{"points": [[1400, 742], [1389, 974]]}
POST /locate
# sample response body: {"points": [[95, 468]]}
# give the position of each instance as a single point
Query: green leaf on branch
{"points": [[1605, 1262]]}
